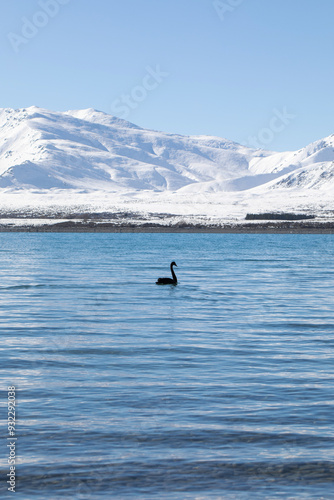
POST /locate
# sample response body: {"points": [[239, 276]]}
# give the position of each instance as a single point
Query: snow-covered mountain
{"points": [[91, 150]]}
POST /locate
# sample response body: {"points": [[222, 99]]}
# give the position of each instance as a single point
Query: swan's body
{"points": [[168, 281]]}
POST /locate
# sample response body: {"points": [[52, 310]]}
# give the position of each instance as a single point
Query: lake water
{"points": [[219, 388]]}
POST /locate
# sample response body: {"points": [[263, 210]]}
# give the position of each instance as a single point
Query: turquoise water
{"points": [[219, 388]]}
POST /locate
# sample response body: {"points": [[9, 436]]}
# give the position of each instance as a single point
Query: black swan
{"points": [[168, 281]]}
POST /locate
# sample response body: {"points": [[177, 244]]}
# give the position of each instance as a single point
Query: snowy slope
{"points": [[92, 150], [88, 151]]}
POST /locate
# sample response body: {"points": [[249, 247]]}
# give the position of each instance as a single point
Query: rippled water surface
{"points": [[219, 388]]}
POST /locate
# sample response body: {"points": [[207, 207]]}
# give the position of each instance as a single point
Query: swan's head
{"points": [[173, 264]]}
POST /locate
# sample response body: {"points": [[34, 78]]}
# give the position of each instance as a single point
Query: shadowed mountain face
{"points": [[91, 150]]}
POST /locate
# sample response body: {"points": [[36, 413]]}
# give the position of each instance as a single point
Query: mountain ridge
{"points": [[92, 150]]}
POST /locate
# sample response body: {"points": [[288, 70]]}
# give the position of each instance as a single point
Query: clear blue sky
{"points": [[230, 69]]}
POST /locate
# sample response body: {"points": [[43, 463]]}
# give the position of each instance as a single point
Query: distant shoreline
{"points": [[251, 228]]}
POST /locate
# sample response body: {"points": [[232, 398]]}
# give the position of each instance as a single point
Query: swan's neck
{"points": [[173, 274]]}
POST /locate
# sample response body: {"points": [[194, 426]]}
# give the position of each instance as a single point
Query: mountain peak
{"points": [[96, 116]]}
